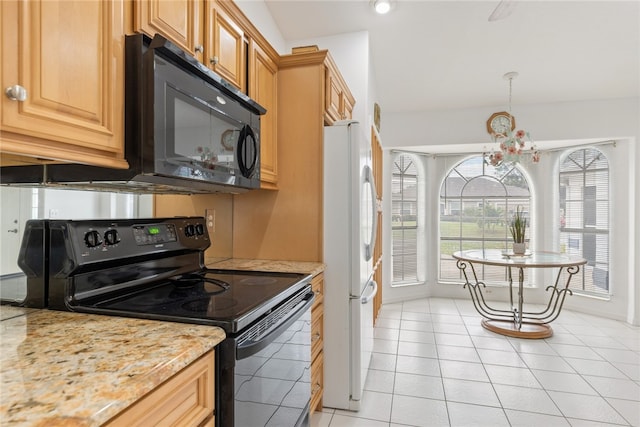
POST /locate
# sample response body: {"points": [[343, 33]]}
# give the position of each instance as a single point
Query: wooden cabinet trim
{"points": [[46, 151], [302, 59]]}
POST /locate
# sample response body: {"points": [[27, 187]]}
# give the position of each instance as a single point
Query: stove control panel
{"points": [[85, 242], [155, 233]]}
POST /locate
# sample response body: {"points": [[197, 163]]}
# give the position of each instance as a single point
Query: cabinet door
{"points": [[68, 57], [263, 89], [178, 20], [225, 50], [347, 107], [186, 399], [332, 97]]}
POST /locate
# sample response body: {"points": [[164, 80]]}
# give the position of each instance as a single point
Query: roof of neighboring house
{"points": [[456, 186]]}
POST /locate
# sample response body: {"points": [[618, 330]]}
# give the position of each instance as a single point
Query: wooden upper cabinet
{"points": [[178, 20], [263, 88], [339, 101], [226, 46], [221, 37], [65, 61]]}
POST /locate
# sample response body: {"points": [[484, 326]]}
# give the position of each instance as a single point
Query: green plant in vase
{"points": [[518, 227]]}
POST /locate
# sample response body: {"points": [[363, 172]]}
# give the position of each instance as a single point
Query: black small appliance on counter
{"points": [[154, 269]]}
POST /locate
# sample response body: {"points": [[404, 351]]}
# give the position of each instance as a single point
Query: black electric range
{"points": [[231, 300], [154, 269]]}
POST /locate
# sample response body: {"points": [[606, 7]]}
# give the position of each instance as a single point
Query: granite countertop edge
{"points": [[281, 266], [62, 368]]}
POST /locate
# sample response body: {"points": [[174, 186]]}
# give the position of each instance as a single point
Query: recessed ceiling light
{"points": [[382, 6]]}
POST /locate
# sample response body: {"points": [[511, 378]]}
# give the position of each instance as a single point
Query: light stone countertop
{"points": [[73, 369], [305, 267]]}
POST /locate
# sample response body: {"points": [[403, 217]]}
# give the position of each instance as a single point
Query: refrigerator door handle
{"points": [[369, 179], [368, 298]]}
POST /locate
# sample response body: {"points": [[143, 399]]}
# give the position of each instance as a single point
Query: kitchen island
{"points": [[62, 368]]}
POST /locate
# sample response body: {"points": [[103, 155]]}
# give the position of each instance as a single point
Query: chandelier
{"points": [[512, 143]]}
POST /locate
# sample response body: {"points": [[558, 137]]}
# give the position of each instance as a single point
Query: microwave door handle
{"points": [[245, 134]]}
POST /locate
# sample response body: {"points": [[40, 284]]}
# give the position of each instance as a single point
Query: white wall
{"points": [[259, 15], [546, 122], [569, 122]]}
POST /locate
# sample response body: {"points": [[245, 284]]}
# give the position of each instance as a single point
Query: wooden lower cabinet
{"points": [[317, 383], [186, 399], [317, 343]]}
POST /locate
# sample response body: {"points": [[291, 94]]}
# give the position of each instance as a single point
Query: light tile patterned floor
{"points": [[434, 365]]}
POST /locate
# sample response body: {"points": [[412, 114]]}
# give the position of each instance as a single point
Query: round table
{"points": [[516, 322]]}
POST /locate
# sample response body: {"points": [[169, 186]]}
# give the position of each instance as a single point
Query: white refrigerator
{"points": [[349, 236]]}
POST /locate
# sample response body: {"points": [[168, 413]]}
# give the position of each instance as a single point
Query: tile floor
{"points": [[434, 365]]}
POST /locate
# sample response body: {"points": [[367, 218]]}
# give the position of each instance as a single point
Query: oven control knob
{"points": [[199, 229], [111, 237], [92, 239], [190, 230]]}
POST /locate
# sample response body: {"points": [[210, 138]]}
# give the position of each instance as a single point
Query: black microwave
{"points": [[187, 130], [196, 125]]}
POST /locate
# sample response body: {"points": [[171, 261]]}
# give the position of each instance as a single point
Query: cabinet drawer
{"points": [[317, 285], [317, 330], [185, 399], [317, 382]]}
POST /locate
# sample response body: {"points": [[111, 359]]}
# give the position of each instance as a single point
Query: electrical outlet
{"points": [[210, 218]]}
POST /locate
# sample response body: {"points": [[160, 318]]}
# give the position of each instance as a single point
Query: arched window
{"points": [[584, 217], [477, 202], [404, 220]]}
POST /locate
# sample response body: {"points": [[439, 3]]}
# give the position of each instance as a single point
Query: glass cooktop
{"points": [[228, 299]]}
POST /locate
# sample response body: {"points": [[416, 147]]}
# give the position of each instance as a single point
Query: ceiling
{"points": [[440, 55]]}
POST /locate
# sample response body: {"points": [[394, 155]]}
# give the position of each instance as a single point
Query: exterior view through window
{"points": [[584, 217], [404, 215], [477, 202]]}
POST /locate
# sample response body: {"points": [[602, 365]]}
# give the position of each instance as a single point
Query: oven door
{"points": [[270, 379], [201, 133]]}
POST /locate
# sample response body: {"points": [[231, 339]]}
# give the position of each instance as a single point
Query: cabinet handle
{"points": [[315, 337], [15, 230], [16, 93], [214, 60], [316, 388], [199, 48]]}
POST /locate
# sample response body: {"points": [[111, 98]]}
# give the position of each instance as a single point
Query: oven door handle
{"points": [[251, 347]]}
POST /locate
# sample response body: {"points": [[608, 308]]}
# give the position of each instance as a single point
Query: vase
{"points": [[519, 248]]}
